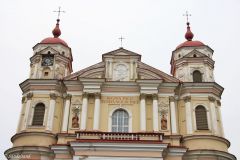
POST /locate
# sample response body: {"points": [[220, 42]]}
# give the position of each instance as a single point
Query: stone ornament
{"points": [[23, 99], [53, 96], [211, 99], [29, 96], [163, 122], [75, 118], [187, 99]]}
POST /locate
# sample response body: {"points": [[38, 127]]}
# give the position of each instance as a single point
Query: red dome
{"points": [[52, 40], [55, 40], [189, 36], [190, 44]]}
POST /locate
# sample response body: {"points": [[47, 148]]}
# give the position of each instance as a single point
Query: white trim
{"points": [[214, 118], [173, 117], [110, 118], [65, 115], [188, 115], [51, 110], [84, 113]]}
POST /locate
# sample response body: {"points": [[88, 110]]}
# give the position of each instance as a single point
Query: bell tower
{"points": [[192, 60], [52, 58]]}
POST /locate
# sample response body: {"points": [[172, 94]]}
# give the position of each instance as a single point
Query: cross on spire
{"points": [[59, 12], [121, 40], [187, 15]]}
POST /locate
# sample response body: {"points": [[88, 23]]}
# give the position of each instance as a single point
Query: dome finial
{"points": [[56, 31], [189, 35]]}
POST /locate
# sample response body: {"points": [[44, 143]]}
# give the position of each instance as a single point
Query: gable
{"points": [[195, 53], [48, 49]]}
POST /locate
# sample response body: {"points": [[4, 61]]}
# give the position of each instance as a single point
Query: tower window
{"points": [[38, 115], [201, 118], [194, 55], [45, 74], [197, 76], [120, 120]]}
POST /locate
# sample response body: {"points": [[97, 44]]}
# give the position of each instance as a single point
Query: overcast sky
{"points": [[152, 28]]}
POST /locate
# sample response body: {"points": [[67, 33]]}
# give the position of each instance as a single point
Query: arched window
{"points": [[197, 76], [38, 114], [120, 120], [201, 118]]}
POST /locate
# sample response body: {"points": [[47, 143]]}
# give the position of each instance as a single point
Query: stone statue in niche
{"points": [[163, 122], [75, 118]]}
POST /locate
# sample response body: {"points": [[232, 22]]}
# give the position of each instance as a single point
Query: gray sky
{"points": [[152, 28]]}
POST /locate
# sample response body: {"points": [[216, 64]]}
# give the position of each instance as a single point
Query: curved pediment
{"points": [[94, 71], [147, 72]]}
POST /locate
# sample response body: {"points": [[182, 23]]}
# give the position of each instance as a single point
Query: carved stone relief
{"points": [[120, 72]]}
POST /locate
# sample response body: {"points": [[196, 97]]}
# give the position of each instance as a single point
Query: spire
{"points": [[189, 35], [56, 31]]}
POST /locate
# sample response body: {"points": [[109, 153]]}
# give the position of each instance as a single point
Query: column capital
{"points": [[211, 98], [29, 96], [219, 103], [53, 96], [172, 99], [97, 95], [68, 96], [85, 94], [154, 96], [143, 95], [23, 99], [187, 99]]}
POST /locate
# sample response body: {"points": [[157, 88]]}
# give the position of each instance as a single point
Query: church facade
{"points": [[120, 108]]}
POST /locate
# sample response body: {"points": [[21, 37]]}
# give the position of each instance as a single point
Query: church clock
{"points": [[47, 60]]}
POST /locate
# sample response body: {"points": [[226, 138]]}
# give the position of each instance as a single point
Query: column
{"points": [[51, 110], [188, 112], [20, 117], [27, 110], [213, 114], [96, 118], [131, 69], [84, 111], [220, 117], [110, 69], [66, 113], [155, 113], [173, 115], [142, 113]]}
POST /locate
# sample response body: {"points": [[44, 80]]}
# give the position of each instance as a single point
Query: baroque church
{"points": [[120, 108]]}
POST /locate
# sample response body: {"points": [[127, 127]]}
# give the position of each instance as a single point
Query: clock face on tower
{"points": [[47, 60]]}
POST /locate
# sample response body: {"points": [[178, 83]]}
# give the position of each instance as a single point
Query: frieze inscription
{"points": [[120, 100]]}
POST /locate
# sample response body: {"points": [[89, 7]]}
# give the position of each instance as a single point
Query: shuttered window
{"points": [[201, 118], [120, 121], [197, 76], [38, 115]]}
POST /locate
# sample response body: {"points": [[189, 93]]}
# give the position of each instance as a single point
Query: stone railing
{"points": [[119, 136]]}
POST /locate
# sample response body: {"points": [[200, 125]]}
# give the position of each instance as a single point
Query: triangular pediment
{"points": [[47, 50], [195, 53], [121, 52]]}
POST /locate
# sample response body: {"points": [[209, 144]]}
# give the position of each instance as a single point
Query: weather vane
{"points": [[59, 11], [121, 40], [187, 15]]}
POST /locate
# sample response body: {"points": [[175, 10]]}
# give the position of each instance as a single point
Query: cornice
{"points": [[194, 137], [21, 134]]}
